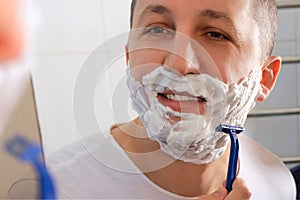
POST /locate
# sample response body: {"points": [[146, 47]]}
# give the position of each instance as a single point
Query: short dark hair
{"points": [[264, 13], [133, 3]]}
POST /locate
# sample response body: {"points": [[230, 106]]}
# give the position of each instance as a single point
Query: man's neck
{"points": [[182, 178]]}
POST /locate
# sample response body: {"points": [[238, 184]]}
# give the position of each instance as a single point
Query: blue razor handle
{"points": [[29, 152], [234, 152]]}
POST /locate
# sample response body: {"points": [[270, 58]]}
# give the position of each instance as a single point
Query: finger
{"points": [[239, 182], [224, 183], [239, 191], [219, 194]]}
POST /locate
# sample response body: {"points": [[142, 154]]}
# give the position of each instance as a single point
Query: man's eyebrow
{"points": [[215, 15], [158, 9], [218, 15]]}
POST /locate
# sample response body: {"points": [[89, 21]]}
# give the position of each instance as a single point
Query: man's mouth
{"points": [[183, 102], [175, 97]]}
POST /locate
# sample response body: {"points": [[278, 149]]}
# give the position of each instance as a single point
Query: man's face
{"points": [[177, 34]]}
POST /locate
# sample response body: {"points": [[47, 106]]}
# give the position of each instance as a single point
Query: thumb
{"points": [[219, 194]]}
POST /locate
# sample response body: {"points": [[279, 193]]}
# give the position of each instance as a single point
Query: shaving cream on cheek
{"points": [[243, 98], [193, 137]]}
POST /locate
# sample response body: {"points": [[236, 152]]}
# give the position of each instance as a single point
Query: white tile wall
{"points": [[285, 94], [285, 48], [70, 26], [298, 85], [115, 21], [286, 31], [298, 70], [298, 25], [70, 31], [54, 82], [298, 44], [276, 133]]}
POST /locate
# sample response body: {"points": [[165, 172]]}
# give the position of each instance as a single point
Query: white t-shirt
{"points": [[97, 168]]}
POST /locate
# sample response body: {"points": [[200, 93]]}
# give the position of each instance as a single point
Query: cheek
{"points": [[232, 65], [224, 64], [143, 62]]}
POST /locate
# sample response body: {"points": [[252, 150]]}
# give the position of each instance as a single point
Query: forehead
{"points": [[233, 9], [232, 15]]}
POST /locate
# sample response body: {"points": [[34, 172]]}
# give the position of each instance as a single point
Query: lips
{"points": [[182, 102], [176, 97], [181, 96]]}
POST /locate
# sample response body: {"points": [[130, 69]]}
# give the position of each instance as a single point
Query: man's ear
{"points": [[127, 54], [270, 73]]}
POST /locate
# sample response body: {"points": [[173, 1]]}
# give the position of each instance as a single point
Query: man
{"points": [[192, 66]]}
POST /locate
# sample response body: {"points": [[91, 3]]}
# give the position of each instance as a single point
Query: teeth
{"points": [[180, 98]]}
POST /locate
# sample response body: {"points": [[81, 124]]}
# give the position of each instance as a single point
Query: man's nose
{"points": [[182, 56]]}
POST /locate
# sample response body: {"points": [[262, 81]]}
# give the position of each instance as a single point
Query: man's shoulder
{"points": [[253, 154], [264, 172], [248, 145]]}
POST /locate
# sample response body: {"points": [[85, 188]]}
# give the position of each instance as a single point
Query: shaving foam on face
{"points": [[193, 137]]}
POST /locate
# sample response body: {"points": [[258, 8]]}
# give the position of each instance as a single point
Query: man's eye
{"points": [[157, 30], [217, 36]]}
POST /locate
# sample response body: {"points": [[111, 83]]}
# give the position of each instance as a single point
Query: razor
{"points": [[232, 131]]}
